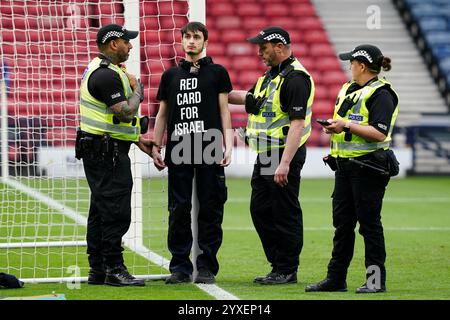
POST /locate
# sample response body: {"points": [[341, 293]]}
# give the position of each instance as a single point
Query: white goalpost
{"points": [[45, 46]]}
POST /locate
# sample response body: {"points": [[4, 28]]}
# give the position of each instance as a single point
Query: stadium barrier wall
{"points": [[60, 162]]}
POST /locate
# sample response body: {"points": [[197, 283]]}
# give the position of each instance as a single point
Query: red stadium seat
{"points": [[322, 106], [316, 36], [228, 22], [241, 49], [328, 64], [308, 63], [273, 9], [220, 59], [149, 8], [215, 49], [235, 35], [214, 35], [302, 10], [309, 23], [251, 62], [232, 73], [334, 77], [105, 20], [297, 36], [220, 9], [250, 9], [248, 78], [254, 25], [300, 50], [322, 50], [317, 76], [288, 23], [333, 90], [210, 23], [172, 8], [321, 92], [150, 37], [149, 23]]}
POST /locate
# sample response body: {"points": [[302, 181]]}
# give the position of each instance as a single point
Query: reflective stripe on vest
{"points": [[265, 130], [97, 117], [359, 114]]}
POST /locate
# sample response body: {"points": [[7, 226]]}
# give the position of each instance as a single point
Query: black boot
{"points": [[279, 278], [328, 285], [96, 276], [119, 276]]}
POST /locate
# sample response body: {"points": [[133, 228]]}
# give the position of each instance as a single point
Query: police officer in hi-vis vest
{"points": [[361, 130], [109, 103], [279, 123]]}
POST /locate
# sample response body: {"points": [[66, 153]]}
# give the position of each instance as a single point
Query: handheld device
{"points": [[323, 122]]}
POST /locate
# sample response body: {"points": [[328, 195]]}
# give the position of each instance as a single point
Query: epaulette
{"points": [[104, 63]]}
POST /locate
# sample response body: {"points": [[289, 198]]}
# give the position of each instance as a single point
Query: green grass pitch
{"points": [[416, 218]]}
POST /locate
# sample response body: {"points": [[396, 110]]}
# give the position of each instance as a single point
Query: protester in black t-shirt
{"points": [[194, 108]]}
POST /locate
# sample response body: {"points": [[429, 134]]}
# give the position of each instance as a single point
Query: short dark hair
{"points": [[193, 27]]}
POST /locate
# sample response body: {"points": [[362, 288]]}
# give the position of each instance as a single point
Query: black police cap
{"points": [[113, 31], [271, 34]]}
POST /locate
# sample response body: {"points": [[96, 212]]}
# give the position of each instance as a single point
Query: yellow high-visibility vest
{"points": [[359, 114], [265, 130], [97, 117]]}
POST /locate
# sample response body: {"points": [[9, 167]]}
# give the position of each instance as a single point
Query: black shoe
{"points": [[96, 277], [365, 289], [279, 278], [178, 277], [327, 285], [205, 276], [119, 276], [261, 278]]}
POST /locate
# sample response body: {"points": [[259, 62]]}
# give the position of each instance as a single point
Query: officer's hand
{"points": [[158, 162], [336, 126], [146, 145], [133, 81], [281, 175], [327, 129]]}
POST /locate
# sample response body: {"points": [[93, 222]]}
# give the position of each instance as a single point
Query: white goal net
{"points": [[45, 46]]}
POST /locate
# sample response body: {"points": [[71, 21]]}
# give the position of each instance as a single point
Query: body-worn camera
{"points": [[346, 105]]}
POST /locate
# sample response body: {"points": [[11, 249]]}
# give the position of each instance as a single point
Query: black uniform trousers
{"points": [[357, 197], [110, 207], [212, 194], [276, 212]]}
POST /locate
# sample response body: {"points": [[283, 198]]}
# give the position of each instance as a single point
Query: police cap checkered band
{"points": [[112, 31], [271, 34], [364, 53]]}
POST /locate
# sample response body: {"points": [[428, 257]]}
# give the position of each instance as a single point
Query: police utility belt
{"points": [[383, 162], [91, 146]]}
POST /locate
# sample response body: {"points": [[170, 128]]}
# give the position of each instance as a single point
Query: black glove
{"points": [[142, 89], [253, 105]]}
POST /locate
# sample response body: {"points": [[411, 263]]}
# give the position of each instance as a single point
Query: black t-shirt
{"points": [[294, 92], [105, 85], [193, 106], [381, 106]]}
